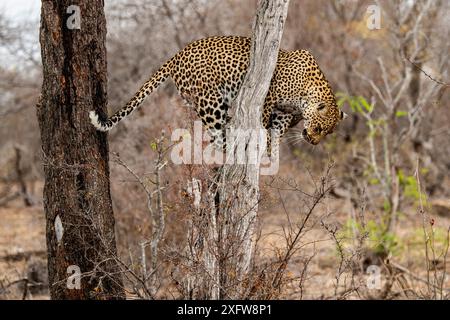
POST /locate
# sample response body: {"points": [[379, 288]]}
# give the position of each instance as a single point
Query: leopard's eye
{"points": [[317, 129], [321, 106]]}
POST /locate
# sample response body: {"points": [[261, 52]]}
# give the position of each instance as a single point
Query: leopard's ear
{"points": [[343, 115]]}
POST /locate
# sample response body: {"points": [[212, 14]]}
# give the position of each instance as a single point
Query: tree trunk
{"points": [[77, 200], [237, 188]]}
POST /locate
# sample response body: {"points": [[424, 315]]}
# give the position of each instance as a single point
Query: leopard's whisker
{"points": [[295, 139]]}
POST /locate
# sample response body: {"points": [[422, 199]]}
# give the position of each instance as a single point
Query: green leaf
{"points": [[341, 102], [401, 176], [356, 107], [401, 113], [386, 206], [365, 104]]}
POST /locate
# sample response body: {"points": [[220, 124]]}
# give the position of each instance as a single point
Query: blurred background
{"points": [[387, 165]]}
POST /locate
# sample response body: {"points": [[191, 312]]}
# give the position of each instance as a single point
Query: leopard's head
{"points": [[320, 112], [320, 119]]}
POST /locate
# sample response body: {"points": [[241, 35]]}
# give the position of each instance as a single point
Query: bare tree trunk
{"points": [[237, 185], [77, 200]]}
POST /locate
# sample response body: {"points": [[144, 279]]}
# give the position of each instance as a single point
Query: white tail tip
{"points": [[96, 122]]}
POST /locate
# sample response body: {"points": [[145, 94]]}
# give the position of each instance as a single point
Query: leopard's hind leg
{"points": [[213, 113]]}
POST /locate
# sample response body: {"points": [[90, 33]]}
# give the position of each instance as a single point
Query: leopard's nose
{"points": [[308, 138]]}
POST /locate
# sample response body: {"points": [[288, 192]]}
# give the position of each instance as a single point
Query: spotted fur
{"points": [[209, 73]]}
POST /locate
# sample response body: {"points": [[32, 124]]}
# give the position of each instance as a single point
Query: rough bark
{"points": [[238, 184], [77, 200]]}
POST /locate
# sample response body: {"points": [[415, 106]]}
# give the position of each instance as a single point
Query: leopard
{"points": [[208, 74]]}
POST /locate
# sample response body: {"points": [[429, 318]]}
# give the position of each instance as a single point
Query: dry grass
{"points": [[22, 241]]}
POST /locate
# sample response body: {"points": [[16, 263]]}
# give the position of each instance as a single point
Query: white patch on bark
{"points": [[59, 230]]}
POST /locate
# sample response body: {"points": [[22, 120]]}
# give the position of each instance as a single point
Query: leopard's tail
{"points": [[155, 80]]}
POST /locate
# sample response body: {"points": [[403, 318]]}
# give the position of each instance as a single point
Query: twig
{"points": [[414, 276], [427, 75]]}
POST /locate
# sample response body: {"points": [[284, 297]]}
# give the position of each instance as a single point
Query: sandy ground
{"points": [[22, 249]]}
